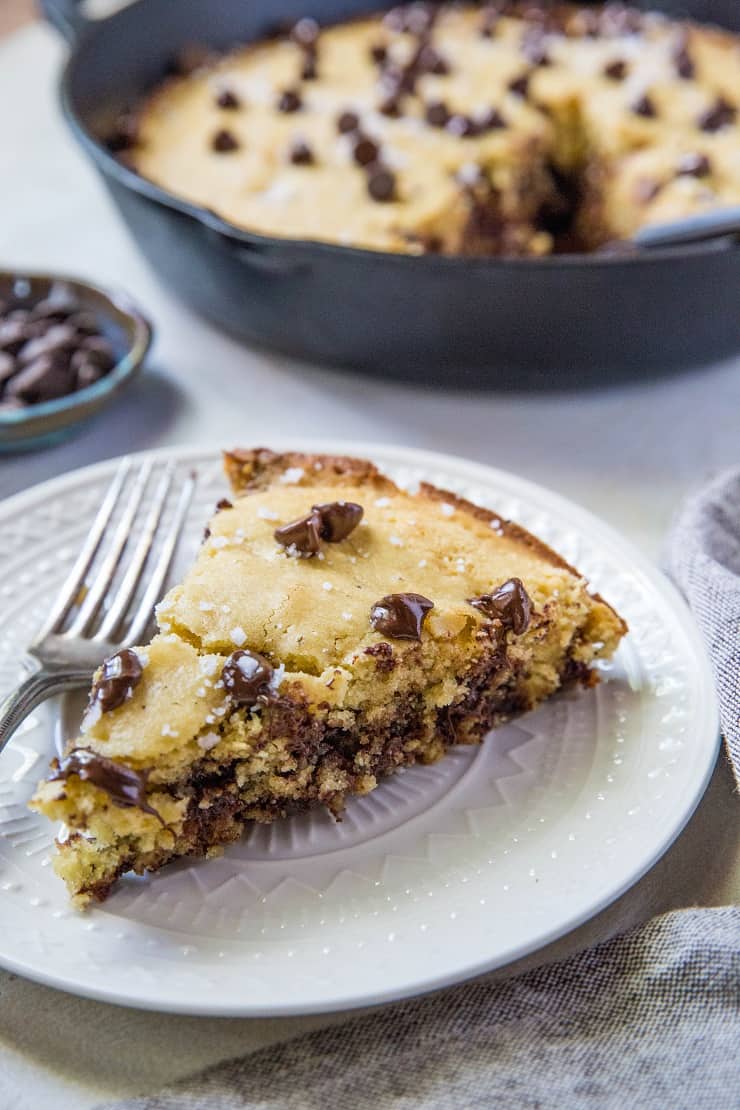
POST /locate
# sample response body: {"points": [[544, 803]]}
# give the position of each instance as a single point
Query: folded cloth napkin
{"points": [[704, 559], [649, 1019]]}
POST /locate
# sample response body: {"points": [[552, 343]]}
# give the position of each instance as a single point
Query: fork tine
{"points": [[107, 569], [151, 596], [70, 588], [127, 588]]}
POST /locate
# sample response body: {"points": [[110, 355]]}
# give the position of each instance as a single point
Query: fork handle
{"points": [[32, 691]]}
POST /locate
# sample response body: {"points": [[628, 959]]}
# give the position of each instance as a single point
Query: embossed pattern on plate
{"points": [[441, 872]]}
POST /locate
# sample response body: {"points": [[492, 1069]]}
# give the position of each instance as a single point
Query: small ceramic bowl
{"points": [[123, 325]]}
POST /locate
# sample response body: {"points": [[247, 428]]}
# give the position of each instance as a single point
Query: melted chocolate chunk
{"points": [[416, 19], [125, 787], [428, 60], [400, 616], [365, 151], [228, 100], [223, 142], [616, 70], [720, 115], [246, 677], [348, 122], [644, 106], [381, 184], [119, 676], [302, 536], [510, 604], [520, 85], [694, 165], [290, 101], [301, 154], [331, 522], [379, 53], [338, 519]]}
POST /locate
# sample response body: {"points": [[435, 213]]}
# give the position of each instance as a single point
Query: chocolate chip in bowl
{"points": [[66, 349]]}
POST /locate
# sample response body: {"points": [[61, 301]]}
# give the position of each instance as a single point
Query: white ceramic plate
{"points": [[443, 872]]}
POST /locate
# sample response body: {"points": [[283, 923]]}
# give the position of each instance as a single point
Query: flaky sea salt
{"points": [[382, 502], [206, 606], [237, 635], [168, 730], [219, 541], [396, 541], [326, 586], [292, 475], [422, 563], [208, 740], [207, 664], [266, 514], [446, 509]]}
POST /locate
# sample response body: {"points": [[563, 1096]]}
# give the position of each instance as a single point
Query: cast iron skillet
{"points": [[452, 321]]}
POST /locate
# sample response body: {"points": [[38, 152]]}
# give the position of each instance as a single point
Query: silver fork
{"points": [[103, 621]]}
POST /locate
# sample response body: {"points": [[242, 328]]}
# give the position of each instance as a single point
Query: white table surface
{"points": [[629, 454]]}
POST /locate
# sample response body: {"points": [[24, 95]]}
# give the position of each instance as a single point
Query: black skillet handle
{"points": [[66, 16]]}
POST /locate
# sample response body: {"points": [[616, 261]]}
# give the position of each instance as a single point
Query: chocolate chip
{"points": [[684, 63], [462, 126], [428, 60], [87, 373], [228, 100], [616, 70], [382, 653], [309, 72], [720, 115], [381, 185], [694, 165], [437, 114], [520, 85], [492, 120], [223, 142], [124, 786], [379, 53], [338, 519], [246, 676], [533, 48], [116, 680], [124, 134], [13, 335], [391, 107], [301, 537], [60, 337], [400, 616], [8, 366], [491, 17], [98, 350], [305, 32], [644, 106], [348, 121], [301, 153], [510, 604], [290, 101], [365, 151], [84, 323]]}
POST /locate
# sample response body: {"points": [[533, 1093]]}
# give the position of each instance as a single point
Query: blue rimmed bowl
{"points": [[123, 325]]}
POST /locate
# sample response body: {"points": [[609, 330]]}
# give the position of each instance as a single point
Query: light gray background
{"points": [[628, 454]]}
